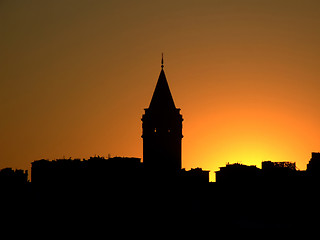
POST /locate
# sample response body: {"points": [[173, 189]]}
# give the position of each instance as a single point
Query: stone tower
{"points": [[162, 130]]}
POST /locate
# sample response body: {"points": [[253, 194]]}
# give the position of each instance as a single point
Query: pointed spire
{"points": [[162, 99], [162, 61]]}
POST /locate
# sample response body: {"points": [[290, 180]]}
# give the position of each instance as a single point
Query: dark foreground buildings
{"points": [[156, 194], [271, 173]]}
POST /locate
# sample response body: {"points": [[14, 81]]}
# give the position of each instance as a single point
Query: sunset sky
{"points": [[75, 77]]}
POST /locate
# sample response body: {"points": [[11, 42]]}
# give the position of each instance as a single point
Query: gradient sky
{"points": [[75, 77]]}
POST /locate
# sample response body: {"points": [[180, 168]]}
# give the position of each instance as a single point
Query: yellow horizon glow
{"points": [[76, 76]]}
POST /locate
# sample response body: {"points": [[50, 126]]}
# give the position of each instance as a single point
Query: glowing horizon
{"points": [[76, 77]]}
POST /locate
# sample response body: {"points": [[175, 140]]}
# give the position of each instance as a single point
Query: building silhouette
{"points": [[95, 171], [237, 174], [271, 173], [313, 167], [195, 176], [12, 178], [162, 131]]}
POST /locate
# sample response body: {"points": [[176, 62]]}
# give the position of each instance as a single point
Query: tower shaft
{"points": [[162, 130]]}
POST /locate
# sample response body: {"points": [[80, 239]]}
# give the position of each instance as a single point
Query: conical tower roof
{"points": [[162, 99]]}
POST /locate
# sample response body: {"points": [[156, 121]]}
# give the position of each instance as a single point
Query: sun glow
{"points": [[247, 136], [77, 77]]}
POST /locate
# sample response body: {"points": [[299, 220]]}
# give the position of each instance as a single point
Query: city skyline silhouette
{"points": [[97, 129], [75, 74], [146, 192]]}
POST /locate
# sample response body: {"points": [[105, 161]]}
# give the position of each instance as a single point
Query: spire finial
{"points": [[162, 61]]}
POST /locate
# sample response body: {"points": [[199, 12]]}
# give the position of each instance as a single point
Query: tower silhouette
{"points": [[162, 130]]}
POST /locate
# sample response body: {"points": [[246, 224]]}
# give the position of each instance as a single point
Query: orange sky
{"points": [[75, 77]]}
